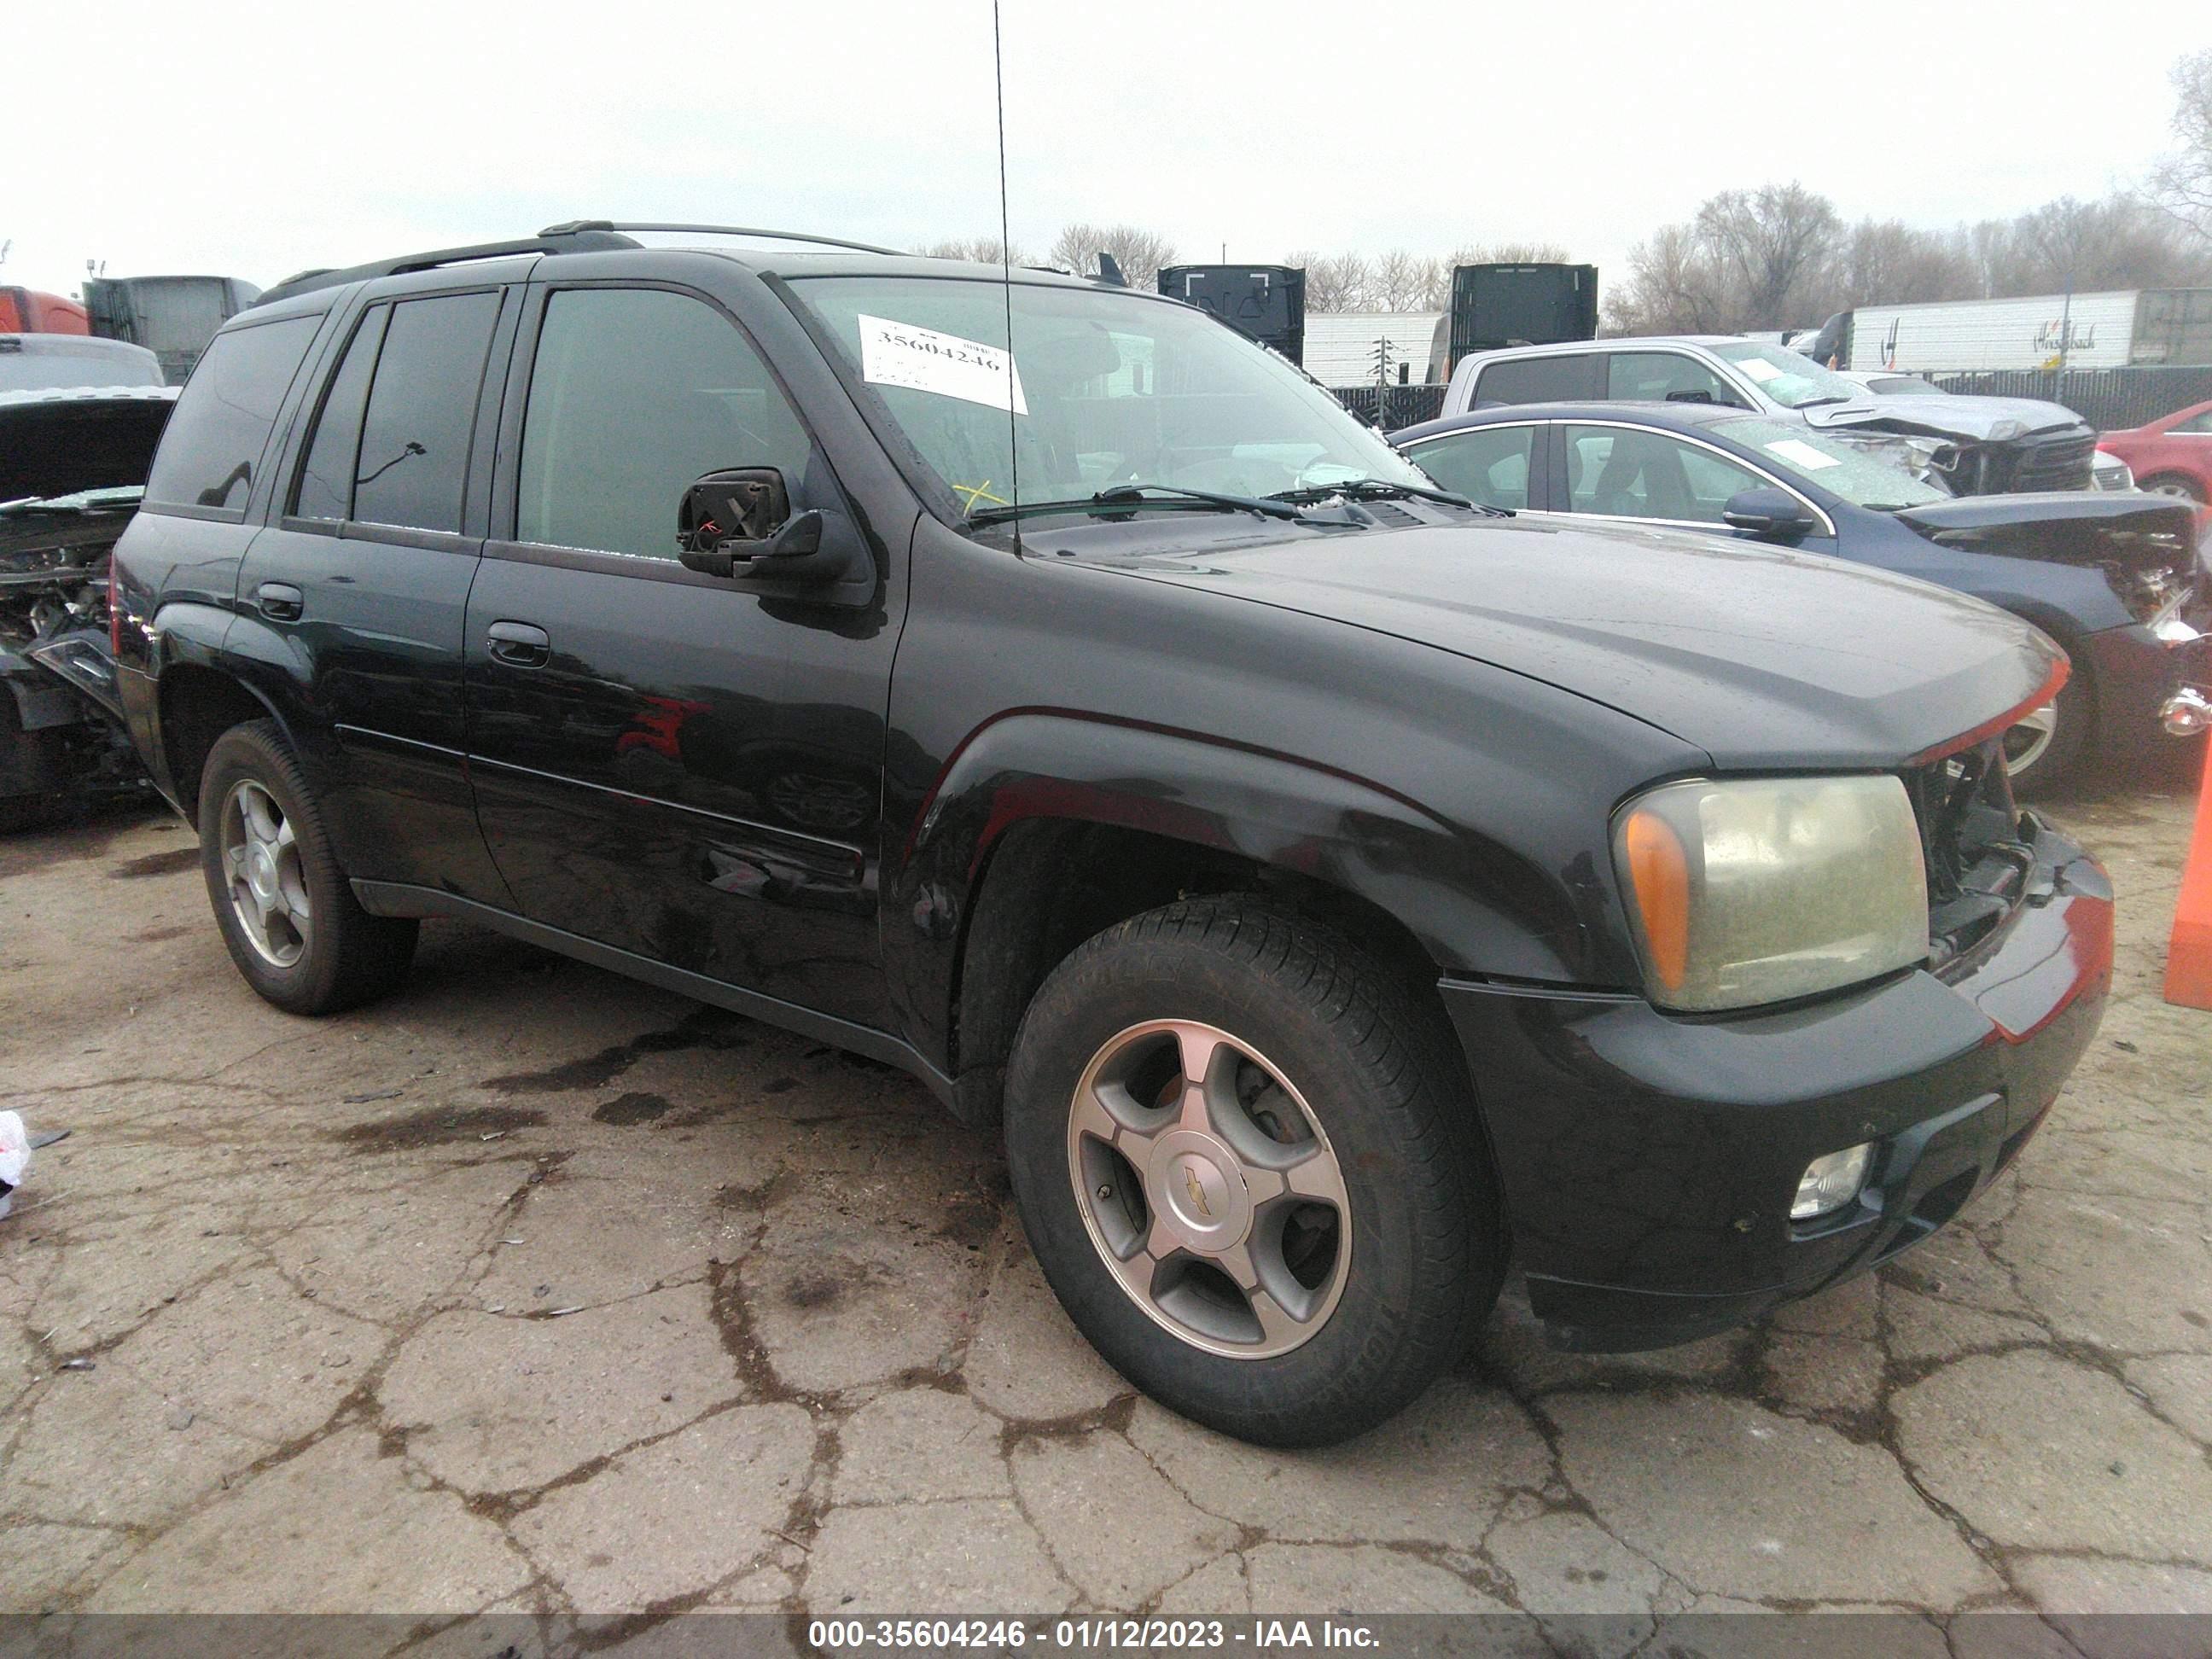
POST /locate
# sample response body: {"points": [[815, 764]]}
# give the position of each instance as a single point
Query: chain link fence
{"points": [[1390, 407], [2110, 399]]}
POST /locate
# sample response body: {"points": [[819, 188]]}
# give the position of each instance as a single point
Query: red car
{"points": [[2173, 456]]}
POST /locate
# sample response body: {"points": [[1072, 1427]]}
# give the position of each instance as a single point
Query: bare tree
{"points": [[984, 250], [1770, 240], [1334, 282], [1139, 253], [1886, 260], [1675, 286], [1400, 281], [2183, 182]]}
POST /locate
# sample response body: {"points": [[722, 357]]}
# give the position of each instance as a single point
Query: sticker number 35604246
{"points": [[899, 354]]}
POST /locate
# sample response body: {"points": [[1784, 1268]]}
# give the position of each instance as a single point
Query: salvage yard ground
{"points": [[534, 1290]]}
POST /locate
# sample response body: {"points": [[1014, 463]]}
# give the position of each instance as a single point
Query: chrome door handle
{"points": [[519, 645], [280, 601]]}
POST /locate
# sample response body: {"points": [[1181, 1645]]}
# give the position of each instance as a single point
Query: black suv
{"points": [[1332, 887]]}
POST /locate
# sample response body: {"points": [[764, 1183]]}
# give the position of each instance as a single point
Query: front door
{"points": [[664, 762]]}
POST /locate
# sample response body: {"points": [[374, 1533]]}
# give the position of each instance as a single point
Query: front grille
{"points": [[1970, 839], [2053, 463]]}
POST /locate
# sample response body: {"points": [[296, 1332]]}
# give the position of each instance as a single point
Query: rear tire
{"points": [[287, 915], [1328, 1164]]}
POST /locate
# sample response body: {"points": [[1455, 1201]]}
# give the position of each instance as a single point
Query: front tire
{"points": [[2045, 752], [1248, 1163], [287, 915], [2178, 484]]}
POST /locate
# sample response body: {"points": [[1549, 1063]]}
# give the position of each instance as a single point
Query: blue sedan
{"points": [[2109, 576]]}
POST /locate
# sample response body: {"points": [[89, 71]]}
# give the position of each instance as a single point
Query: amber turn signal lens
{"points": [[1661, 871]]}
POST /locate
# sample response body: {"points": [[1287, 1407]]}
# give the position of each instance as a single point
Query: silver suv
{"points": [[1975, 445]]}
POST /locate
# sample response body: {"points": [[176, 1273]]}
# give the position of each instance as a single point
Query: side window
{"points": [[326, 489], [1539, 380], [215, 439], [1657, 376], [2195, 424], [635, 394], [1712, 479], [422, 412], [1626, 473], [1488, 464]]}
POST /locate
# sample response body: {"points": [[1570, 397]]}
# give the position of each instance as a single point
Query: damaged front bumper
{"points": [[1650, 1161]]}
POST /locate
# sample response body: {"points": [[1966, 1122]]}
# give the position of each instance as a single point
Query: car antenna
{"points": [[1109, 271], [1006, 276]]}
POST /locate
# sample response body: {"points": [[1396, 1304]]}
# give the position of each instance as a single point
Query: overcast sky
{"points": [[255, 141]]}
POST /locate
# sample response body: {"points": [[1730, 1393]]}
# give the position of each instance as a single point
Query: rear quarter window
{"points": [[212, 450], [1541, 380]]}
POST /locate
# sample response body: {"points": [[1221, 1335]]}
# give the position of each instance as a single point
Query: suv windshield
{"points": [[1790, 379], [1862, 478], [1108, 388]]}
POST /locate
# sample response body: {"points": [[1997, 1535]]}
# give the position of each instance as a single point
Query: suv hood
{"points": [[1764, 658], [1973, 420], [2068, 526]]}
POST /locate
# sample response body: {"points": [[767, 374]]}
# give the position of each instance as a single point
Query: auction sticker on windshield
{"points": [[921, 359], [1798, 452]]}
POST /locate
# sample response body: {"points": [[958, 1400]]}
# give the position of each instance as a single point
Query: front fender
{"points": [[1475, 907]]}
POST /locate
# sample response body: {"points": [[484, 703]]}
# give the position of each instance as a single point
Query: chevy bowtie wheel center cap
{"points": [[1194, 1185]]}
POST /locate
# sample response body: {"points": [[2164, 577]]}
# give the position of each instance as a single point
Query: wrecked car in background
{"points": [[79, 419], [2114, 578], [1973, 445]]}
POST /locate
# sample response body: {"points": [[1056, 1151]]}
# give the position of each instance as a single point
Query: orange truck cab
{"points": [[27, 311]]}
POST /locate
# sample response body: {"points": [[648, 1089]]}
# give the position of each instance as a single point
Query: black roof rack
{"points": [[559, 239], [580, 226], [572, 236]]}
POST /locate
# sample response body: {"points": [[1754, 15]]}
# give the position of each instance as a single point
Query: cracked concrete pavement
{"points": [[534, 1290]]}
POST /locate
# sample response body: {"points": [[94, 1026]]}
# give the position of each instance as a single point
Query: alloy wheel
{"points": [[267, 885], [1209, 1188], [2030, 738]]}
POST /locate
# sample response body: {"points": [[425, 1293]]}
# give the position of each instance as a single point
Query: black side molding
{"points": [[394, 898]]}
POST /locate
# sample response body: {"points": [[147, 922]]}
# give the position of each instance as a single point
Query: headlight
{"points": [[1762, 890], [2007, 431]]}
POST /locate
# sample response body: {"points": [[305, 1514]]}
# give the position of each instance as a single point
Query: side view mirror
{"points": [[738, 523], [1767, 515]]}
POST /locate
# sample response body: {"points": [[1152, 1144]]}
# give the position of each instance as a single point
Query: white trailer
{"points": [[2112, 330], [1342, 346]]}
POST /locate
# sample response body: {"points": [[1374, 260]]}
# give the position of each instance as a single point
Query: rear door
{"points": [[358, 592], [668, 762]]}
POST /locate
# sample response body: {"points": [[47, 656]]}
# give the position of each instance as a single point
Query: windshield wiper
{"points": [[1130, 497], [1369, 489]]}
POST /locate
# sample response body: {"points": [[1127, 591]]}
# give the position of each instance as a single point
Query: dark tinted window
{"points": [[1488, 464], [415, 439], [1539, 380], [215, 438], [1657, 376], [635, 394], [327, 481]]}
